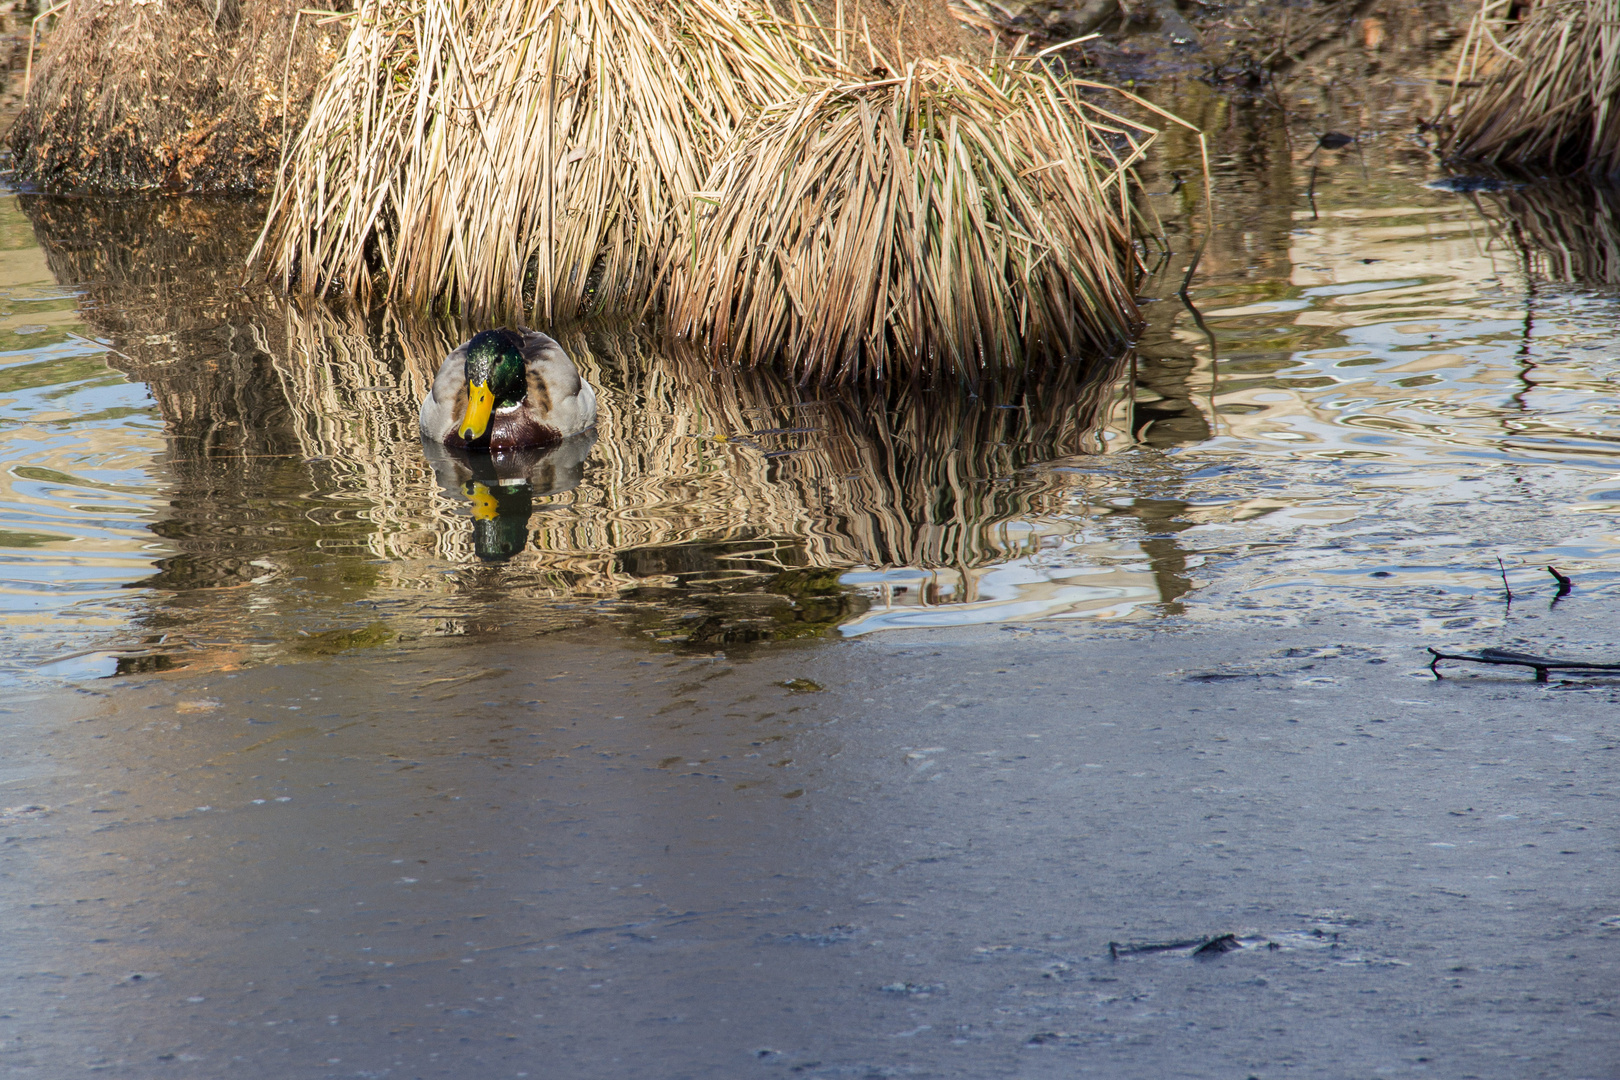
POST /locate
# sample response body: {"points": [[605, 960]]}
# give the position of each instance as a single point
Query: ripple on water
{"points": [[1371, 432], [81, 481]]}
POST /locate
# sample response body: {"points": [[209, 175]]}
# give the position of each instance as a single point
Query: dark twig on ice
{"points": [[1217, 945], [1204, 946], [1564, 583], [1541, 664]]}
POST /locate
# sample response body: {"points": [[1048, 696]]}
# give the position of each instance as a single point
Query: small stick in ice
{"points": [[1541, 664]]}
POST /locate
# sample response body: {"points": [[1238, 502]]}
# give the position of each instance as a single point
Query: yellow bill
{"points": [[480, 403]]}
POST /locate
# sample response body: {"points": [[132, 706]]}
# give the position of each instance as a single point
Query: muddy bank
{"points": [[901, 856], [131, 96]]}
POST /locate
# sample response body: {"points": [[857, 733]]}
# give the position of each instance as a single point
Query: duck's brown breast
{"points": [[510, 430], [518, 430]]}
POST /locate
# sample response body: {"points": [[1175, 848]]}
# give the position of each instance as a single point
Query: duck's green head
{"points": [[494, 377]]}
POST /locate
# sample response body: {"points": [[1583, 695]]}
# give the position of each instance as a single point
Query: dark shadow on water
{"points": [[715, 508]]}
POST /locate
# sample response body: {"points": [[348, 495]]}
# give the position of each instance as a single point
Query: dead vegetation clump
{"points": [[167, 95], [1543, 90], [532, 155], [770, 183], [954, 218]]}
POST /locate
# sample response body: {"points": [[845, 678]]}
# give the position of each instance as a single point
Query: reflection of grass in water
{"points": [[76, 370], [710, 608], [55, 476], [299, 482], [818, 602], [116, 413], [691, 534], [690, 455], [705, 485], [1566, 232], [332, 642], [146, 664]]}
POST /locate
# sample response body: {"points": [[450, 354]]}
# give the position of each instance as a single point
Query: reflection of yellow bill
{"points": [[484, 506], [480, 403]]}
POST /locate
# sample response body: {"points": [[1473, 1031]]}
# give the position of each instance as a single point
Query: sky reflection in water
{"points": [[1376, 430]]}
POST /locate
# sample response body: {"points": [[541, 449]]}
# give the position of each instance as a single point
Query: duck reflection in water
{"points": [[501, 488]]}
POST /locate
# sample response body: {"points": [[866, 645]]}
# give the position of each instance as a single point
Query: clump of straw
{"points": [[535, 155], [728, 166], [1550, 88], [952, 219]]}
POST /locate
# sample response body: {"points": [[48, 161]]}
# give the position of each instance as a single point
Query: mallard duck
{"points": [[507, 390]]}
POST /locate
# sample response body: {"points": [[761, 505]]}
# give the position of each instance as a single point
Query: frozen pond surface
{"points": [[786, 733], [568, 858]]}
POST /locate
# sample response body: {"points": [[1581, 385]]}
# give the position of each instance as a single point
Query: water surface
{"points": [[1384, 389]]}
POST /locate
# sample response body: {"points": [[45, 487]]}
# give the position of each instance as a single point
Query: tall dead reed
{"points": [[1549, 90], [736, 168]]}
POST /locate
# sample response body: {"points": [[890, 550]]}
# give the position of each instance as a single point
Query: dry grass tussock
{"points": [[738, 169], [1550, 88], [183, 95], [952, 218]]}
